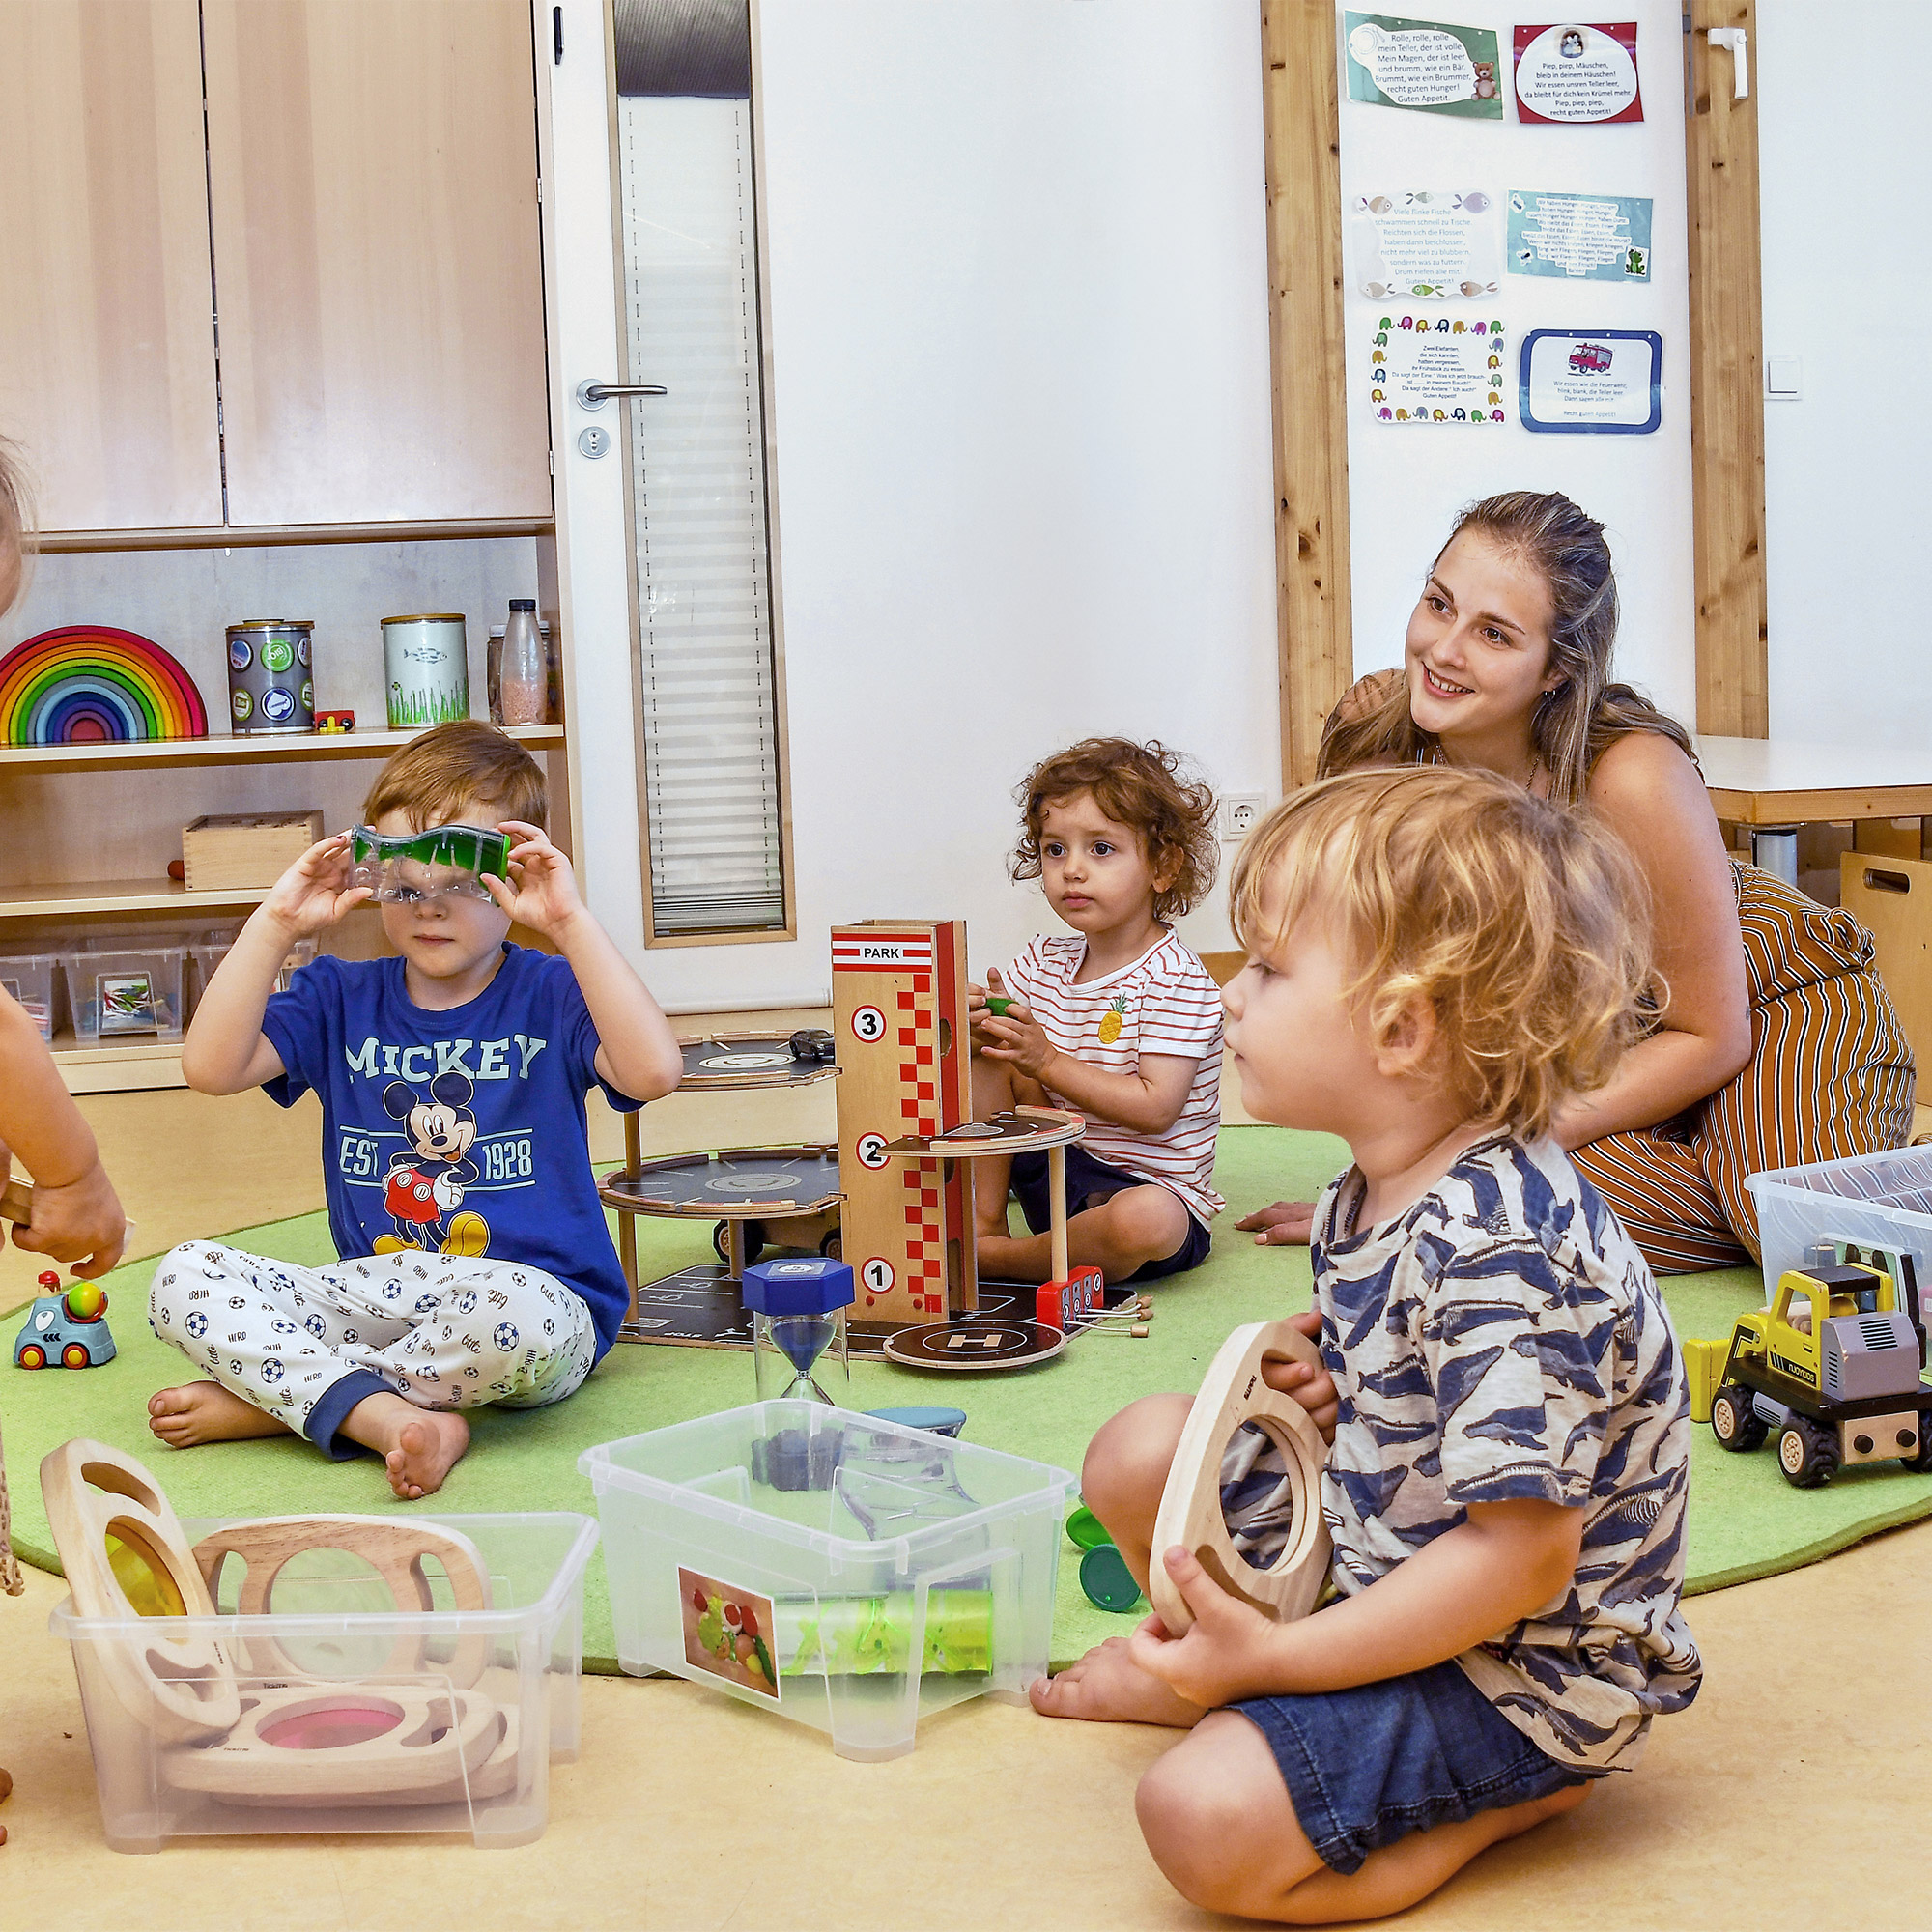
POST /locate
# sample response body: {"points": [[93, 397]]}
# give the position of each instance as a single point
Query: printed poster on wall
{"points": [[1436, 244], [1436, 369], [1424, 63], [1590, 238], [1603, 382], [1571, 73]]}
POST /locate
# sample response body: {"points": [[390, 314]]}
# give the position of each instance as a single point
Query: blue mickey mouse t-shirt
{"points": [[459, 1132]]}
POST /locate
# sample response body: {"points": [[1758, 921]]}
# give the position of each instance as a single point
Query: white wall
{"points": [[1844, 177], [1405, 483], [1018, 306]]}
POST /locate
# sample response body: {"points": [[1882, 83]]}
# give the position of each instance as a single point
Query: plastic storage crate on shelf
{"points": [[836, 1569], [211, 949], [30, 977], [1872, 1200], [131, 993], [482, 1698]]}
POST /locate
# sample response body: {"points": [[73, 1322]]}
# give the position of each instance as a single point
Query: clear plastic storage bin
{"points": [[30, 977], [848, 1573], [130, 993], [211, 948], [485, 1697], [1874, 1200]]}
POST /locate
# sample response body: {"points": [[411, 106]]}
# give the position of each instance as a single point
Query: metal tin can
{"points": [[426, 660], [270, 676]]}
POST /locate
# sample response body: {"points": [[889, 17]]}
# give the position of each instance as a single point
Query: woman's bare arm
{"points": [[1649, 794]]}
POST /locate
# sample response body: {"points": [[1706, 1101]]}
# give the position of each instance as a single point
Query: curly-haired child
{"points": [[1438, 962], [1118, 1021]]}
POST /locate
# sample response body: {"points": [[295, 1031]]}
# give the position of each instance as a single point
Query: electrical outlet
{"points": [[1241, 813]]}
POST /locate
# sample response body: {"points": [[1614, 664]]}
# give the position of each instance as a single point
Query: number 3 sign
{"points": [[868, 1024]]}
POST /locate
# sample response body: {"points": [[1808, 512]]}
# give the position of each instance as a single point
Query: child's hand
{"points": [[1014, 1036], [1228, 1652], [1282, 1224], [81, 1223], [541, 892], [314, 892], [1311, 1388]]}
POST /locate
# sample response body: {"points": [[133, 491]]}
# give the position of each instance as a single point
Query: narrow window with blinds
{"points": [[712, 762]]}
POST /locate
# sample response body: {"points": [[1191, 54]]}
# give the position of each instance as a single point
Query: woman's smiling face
{"points": [[1478, 645]]}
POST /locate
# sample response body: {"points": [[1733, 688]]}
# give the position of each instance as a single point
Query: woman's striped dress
{"points": [[1830, 1073]]}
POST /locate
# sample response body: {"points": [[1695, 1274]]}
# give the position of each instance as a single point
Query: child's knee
{"points": [[1148, 1221], [1127, 1463]]}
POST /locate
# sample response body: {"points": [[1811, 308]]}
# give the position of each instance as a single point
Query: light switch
{"points": [[1784, 377]]}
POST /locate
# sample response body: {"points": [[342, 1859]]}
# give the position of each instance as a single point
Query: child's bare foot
{"points": [[207, 1412], [418, 1446], [426, 1450], [1108, 1687]]}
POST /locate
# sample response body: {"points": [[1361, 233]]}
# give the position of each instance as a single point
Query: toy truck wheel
{"points": [[32, 1356], [1733, 1421], [1807, 1455], [74, 1355], [1920, 1458], [754, 1241]]}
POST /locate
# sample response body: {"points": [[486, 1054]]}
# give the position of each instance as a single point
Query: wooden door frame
{"points": [[1301, 119]]}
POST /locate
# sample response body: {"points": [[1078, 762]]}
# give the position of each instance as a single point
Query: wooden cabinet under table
{"points": [[106, 325]]}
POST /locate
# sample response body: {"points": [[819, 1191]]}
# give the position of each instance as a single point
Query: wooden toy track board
{"points": [[1025, 1131], [700, 1307], [744, 1059], [733, 1183]]}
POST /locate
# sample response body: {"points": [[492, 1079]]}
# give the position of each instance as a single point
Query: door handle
{"points": [[591, 395]]}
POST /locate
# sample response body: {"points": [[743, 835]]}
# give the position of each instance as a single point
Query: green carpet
{"points": [[1745, 1521]]}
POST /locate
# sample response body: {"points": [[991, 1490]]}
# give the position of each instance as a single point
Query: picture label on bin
{"points": [[729, 1632]]}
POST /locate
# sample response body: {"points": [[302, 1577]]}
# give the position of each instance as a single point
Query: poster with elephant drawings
{"points": [[1437, 369], [1428, 245]]}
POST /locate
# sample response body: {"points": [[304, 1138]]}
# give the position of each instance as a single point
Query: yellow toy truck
{"points": [[1833, 1366]]}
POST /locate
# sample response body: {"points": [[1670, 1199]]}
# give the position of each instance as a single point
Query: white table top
{"points": [[1765, 781]]}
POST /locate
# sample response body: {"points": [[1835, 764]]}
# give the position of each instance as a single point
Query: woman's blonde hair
{"points": [[1576, 721], [1525, 927], [16, 512]]}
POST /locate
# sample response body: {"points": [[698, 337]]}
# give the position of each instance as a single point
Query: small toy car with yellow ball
{"points": [[1833, 1366], [66, 1325]]}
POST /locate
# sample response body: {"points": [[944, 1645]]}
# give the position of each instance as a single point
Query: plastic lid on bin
{"points": [[807, 1286]]}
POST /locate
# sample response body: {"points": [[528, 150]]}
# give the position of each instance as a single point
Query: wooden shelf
{"points": [[172, 754], [128, 1067], [115, 895]]}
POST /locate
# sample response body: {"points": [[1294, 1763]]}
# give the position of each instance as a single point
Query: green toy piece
{"points": [[1086, 1529], [1107, 1581], [997, 1005]]}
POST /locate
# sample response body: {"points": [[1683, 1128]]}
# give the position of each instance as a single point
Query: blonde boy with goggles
{"points": [[1437, 962]]}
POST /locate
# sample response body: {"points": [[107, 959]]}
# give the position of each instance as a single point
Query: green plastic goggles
{"points": [[408, 867]]}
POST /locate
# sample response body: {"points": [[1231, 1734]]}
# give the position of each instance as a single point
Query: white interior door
{"points": [[663, 552]]}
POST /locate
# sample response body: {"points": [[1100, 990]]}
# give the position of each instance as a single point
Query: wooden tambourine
{"points": [[182, 1688], [395, 1548], [1233, 1393]]}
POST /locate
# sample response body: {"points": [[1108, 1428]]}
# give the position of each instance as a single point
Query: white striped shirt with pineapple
{"points": [[1166, 1003]]}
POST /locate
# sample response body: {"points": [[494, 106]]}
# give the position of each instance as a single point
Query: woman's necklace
{"points": [[1529, 779]]}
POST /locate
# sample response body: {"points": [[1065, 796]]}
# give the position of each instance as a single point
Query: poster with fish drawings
{"points": [[1427, 244], [1437, 369]]}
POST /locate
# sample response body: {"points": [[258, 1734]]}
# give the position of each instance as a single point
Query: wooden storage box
{"points": [[1892, 899], [246, 848]]}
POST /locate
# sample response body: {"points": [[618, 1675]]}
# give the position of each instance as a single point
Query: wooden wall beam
{"points": [[1727, 379], [1311, 431]]}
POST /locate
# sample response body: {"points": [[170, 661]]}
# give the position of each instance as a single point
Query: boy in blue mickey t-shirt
{"points": [[476, 1263]]}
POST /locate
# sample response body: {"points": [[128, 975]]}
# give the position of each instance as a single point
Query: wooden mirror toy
{"points": [[238, 1717], [1285, 1584]]}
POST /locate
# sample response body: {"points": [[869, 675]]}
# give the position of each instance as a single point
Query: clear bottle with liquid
{"points": [[519, 675]]}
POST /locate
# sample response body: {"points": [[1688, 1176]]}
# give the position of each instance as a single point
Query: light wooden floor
{"points": [[1792, 1795]]}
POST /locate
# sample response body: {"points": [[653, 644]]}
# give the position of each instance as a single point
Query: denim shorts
{"points": [[1089, 1182], [1367, 1766]]}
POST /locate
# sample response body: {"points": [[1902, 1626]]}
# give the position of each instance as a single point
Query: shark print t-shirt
{"points": [[1504, 1338], [458, 1132]]}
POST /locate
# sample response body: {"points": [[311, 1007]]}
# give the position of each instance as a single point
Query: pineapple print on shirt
{"points": [[1113, 1020]]}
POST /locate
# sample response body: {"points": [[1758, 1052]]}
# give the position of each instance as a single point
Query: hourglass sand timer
{"points": [[798, 1329]]}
